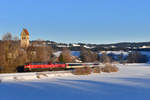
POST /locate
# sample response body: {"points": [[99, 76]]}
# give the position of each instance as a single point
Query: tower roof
{"points": [[26, 31]]}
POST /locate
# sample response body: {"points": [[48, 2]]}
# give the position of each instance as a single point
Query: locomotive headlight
{"points": [[27, 66]]}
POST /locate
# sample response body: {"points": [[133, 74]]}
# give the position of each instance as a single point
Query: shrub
{"points": [[110, 68], [88, 55], [82, 71], [96, 70], [137, 57], [65, 56], [40, 75], [104, 58]]}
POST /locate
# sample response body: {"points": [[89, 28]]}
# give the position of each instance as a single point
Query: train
{"points": [[56, 66]]}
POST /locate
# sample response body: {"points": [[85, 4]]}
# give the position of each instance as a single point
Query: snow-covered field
{"points": [[132, 82]]}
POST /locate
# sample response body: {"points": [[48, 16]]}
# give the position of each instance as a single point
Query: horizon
{"points": [[91, 43], [86, 21]]}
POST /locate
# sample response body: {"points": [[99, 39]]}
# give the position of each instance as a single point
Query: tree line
{"points": [[13, 56]]}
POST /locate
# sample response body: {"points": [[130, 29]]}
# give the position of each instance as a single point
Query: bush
{"points": [[82, 71], [96, 70], [65, 56], [40, 75], [88, 55], [137, 57], [110, 68]]}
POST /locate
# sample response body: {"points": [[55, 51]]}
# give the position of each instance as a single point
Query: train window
{"points": [[45, 63], [96, 64], [74, 64], [36, 63]]}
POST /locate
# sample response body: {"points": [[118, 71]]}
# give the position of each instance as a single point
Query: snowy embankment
{"points": [[132, 82], [32, 75]]}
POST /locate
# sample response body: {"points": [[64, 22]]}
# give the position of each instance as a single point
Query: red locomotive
{"points": [[43, 66]]}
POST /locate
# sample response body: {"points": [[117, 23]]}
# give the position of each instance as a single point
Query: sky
{"points": [[72, 21]]}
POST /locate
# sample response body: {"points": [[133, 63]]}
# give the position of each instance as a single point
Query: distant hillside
{"points": [[126, 46]]}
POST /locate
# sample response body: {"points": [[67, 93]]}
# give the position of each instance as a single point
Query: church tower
{"points": [[25, 38]]}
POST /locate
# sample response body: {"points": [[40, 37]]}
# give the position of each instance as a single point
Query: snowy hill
{"points": [[130, 83], [73, 53], [77, 53]]}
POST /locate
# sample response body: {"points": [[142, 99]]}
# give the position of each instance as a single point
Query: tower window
{"points": [[23, 38]]}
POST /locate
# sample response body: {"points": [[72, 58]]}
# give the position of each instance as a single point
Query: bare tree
{"points": [[11, 54], [137, 57], [7, 37], [39, 53], [104, 58], [16, 38], [88, 55], [65, 56]]}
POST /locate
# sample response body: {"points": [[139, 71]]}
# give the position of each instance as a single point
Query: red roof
{"points": [[26, 31]]}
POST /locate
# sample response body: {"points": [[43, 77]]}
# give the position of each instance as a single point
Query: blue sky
{"points": [[69, 21]]}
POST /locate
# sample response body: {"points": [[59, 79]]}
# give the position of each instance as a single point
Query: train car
{"points": [[81, 65], [92, 65], [88, 64], [43, 66], [74, 65]]}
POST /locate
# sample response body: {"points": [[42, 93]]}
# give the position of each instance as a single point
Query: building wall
{"points": [[24, 39]]}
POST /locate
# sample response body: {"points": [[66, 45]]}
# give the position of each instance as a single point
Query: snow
{"points": [[147, 53], [57, 54], [73, 53], [130, 83], [115, 52], [32, 76]]}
